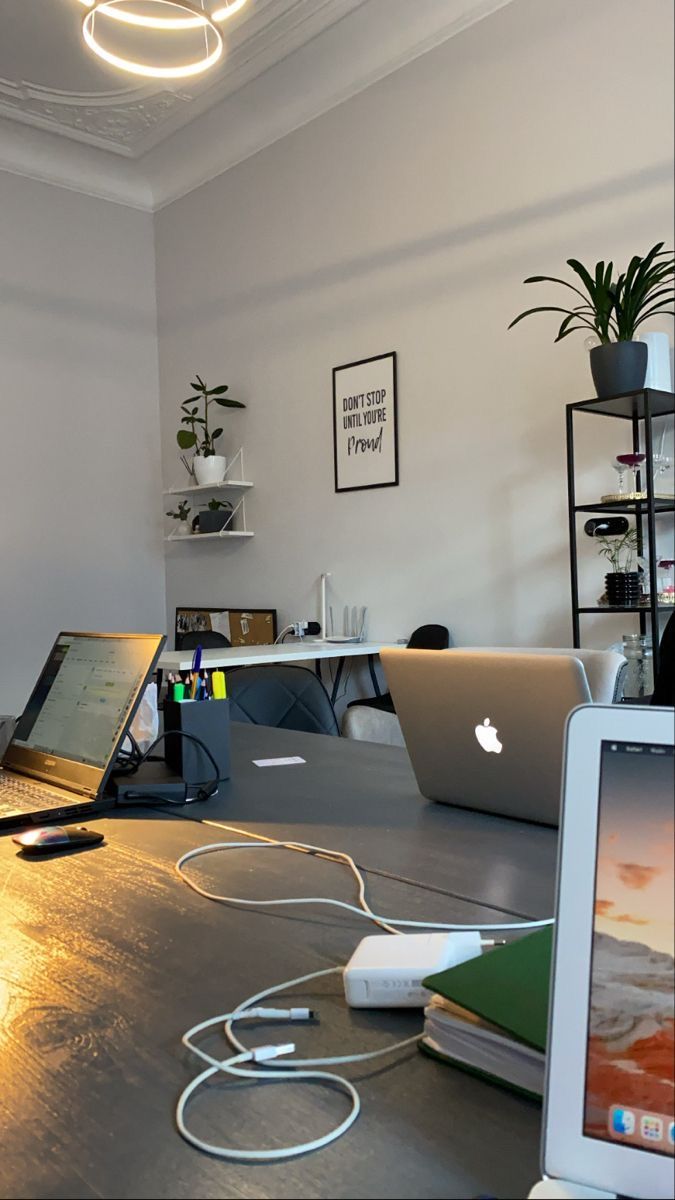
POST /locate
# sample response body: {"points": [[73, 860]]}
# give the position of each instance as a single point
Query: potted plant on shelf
{"points": [[216, 516], [207, 466], [181, 514], [622, 583], [611, 311]]}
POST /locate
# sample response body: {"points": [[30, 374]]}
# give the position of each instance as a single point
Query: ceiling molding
{"points": [[115, 121], [300, 59], [50, 158], [389, 34]]}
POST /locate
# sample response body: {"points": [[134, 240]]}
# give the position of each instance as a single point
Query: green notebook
{"points": [[508, 987]]}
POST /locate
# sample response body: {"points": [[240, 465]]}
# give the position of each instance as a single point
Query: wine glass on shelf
{"points": [[663, 465], [634, 463], [620, 468]]}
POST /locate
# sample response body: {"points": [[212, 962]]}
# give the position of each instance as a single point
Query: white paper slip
{"points": [[277, 762]]}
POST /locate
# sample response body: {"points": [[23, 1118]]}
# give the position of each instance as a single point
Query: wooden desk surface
{"points": [[106, 958]]}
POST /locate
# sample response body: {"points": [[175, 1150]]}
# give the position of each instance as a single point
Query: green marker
{"points": [[179, 691]]}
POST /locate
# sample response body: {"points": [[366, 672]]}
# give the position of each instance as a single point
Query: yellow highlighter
{"points": [[218, 687]]}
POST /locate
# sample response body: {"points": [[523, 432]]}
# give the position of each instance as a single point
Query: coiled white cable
{"points": [[364, 909], [266, 1055]]}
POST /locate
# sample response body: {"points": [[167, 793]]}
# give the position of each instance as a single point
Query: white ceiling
{"points": [[68, 118]]}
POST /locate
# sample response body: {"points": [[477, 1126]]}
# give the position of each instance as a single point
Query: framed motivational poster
{"points": [[365, 434]]}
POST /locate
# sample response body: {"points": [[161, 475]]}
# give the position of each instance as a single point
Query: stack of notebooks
{"points": [[490, 1015]]}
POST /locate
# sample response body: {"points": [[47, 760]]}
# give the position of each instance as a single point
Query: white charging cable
{"points": [[364, 909], [292, 1068], [271, 1072]]}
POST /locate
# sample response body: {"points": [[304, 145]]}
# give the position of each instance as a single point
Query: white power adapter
{"points": [[387, 972]]}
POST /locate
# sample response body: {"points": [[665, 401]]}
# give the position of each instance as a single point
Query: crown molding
{"points": [[114, 121], [371, 40], [50, 158]]}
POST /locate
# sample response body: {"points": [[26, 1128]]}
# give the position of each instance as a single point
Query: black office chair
{"points": [[283, 696], [425, 637], [664, 685], [208, 639]]}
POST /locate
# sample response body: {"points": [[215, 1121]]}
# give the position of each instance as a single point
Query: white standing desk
{"points": [[302, 651]]}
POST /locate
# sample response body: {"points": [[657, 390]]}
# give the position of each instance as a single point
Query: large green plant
{"points": [[613, 309], [197, 434]]}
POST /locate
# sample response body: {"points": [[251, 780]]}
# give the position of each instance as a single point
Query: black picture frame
{"points": [[362, 487], [208, 609]]}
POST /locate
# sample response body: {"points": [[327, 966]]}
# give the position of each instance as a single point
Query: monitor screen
{"points": [[630, 1054], [83, 697]]}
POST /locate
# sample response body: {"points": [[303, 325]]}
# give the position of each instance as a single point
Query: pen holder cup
{"points": [[208, 720]]}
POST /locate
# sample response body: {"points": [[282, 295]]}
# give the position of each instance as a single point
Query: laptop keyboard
{"points": [[24, 794]]}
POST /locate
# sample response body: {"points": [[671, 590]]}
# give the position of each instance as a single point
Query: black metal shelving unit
{"points": [[640, 408]]}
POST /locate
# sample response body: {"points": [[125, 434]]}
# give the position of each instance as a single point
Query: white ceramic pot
{"points": [[184, 529], [209, 470]]}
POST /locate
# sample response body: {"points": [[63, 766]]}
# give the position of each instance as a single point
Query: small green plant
{"points": [[182, 512], [214, 504], [620, 551], [613, 309], [197, 435]]}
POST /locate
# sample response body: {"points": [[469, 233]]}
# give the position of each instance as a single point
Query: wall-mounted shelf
{"points": [[239, 484], [205, 537], [199, 488], [226, 485]]}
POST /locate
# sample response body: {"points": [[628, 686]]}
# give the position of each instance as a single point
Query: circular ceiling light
{"points": [[196, 17], [166, 23]]}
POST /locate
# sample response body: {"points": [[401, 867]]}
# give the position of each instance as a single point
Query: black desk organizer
{"points": [[208, 720]]}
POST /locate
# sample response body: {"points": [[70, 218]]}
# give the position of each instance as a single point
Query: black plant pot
{"points": [[623, 589], [212, 520], [619, 367]]}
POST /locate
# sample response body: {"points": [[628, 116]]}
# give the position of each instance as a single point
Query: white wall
{"points": [[406, 219], [80, 535]]}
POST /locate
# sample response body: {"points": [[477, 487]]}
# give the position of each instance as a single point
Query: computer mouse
{"points": [[49, 839]]}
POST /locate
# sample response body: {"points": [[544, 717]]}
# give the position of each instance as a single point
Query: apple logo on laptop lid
{"points": [[486, 736]]}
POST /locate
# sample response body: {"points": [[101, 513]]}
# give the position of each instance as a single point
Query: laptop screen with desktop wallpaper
{"points": [[81, 705], [631, 1048]]}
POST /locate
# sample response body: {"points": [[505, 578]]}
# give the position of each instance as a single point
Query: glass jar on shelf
{"points": [[666, 577], [639, 680]]}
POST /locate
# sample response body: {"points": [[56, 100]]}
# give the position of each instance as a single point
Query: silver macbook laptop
{"points": [[609, 1126], [66, 741], [484, 729]]}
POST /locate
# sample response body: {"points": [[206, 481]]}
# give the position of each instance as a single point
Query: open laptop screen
{"points": [[630, 1054], [84, 696]]}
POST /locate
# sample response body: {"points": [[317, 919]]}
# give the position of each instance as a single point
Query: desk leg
{"points": [[336, 682], [317, 667], [373, 674]]}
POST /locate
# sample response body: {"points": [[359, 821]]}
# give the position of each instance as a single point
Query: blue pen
{"points": [[196, 663]]}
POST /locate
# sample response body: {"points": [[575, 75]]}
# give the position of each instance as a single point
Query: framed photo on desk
{"points": [[241, 626]]}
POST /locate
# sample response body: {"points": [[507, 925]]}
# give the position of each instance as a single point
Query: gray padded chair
{"points": [[283, 696]]}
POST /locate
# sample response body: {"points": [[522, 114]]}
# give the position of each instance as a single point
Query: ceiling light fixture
{"points": [[221, 13], [196, 16]]}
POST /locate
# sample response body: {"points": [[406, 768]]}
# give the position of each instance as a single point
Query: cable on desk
{"points": [[136, 760], [272, 1072], [364, 910], [292, 1069], [379, 871]]}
